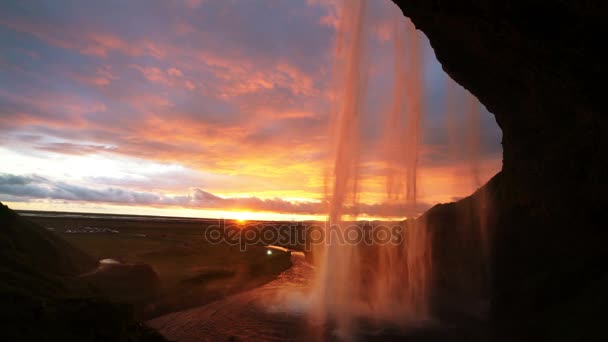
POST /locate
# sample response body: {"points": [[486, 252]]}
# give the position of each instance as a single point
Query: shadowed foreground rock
{"points": [[42, 300], [136, 284], [460, 248], [536, 66]]}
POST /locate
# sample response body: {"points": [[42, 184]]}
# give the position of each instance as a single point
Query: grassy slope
{"points": [[40, 298], [192, 271]]}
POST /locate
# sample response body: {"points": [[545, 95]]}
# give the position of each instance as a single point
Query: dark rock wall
{"points": [[540, 67], [461, 242]]}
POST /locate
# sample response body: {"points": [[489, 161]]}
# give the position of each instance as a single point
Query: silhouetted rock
{"points": [[461, 237], [539, 66], [27, 245], [129, 283], [43, 300]]}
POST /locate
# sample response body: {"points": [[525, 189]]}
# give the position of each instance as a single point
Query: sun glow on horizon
{"points": [[161, 125], [96, 208]]}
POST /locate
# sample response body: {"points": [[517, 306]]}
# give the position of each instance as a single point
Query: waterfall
{"points": [[397, 289], [387, 282]]}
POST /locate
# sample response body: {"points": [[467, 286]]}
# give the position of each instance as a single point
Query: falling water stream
{"points": [[344, 288], [397, 289]]}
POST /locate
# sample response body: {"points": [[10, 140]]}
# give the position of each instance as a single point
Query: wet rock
{"points": [[538, 67]]}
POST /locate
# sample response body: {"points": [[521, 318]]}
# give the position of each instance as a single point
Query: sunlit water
{"points": [[278, 311], [272, 312], [395, 288], [109, 262]]}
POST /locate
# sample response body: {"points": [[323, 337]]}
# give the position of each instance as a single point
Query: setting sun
{"points": [[241, 217]]}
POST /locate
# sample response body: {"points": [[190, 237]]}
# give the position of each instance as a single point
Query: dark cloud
{"points": [[32, 187]]}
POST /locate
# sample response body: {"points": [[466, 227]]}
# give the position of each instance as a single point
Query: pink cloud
{"points": [[174, 72], [85, 41], [194, 3], [333, 10], [172, 77], [103, 76], [189, 85], [153, 74]]}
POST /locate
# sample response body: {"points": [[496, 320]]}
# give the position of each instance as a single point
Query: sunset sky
{"points": [[200, 108]]}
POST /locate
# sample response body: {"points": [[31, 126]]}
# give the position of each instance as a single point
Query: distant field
{"points": [[191, 271]]}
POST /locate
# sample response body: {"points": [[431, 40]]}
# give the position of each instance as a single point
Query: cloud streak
{"points": [[20, 188]]}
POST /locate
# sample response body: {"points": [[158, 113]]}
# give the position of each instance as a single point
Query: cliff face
{"points": [[460, 251], [539, 67]]}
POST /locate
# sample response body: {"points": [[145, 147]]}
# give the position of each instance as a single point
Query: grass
{"points": [[191, 271]]}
